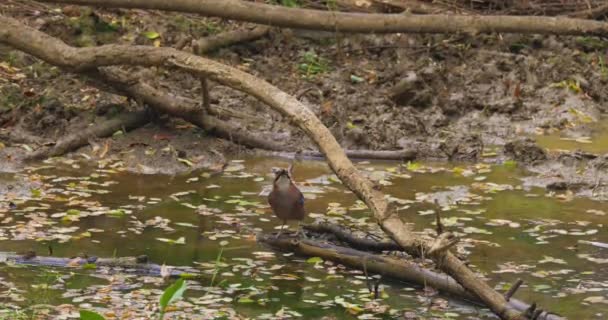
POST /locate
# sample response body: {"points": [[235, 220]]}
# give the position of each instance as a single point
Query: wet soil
{"points": [[450, 97]]}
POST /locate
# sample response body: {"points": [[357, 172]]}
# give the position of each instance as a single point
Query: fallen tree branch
{"points": [[399, 155], [394, 268], [58, 53], [134, 87], [359, 22], [353, 241], [133, 120], [227, 38], [206, 98], [185, 108], [126, 121], [134, 265]]}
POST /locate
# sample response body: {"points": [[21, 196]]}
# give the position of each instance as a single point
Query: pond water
{"points": [[596, 142], [209, 222]]}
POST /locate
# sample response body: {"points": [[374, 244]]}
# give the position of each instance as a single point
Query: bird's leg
{"points": [[280, 230], [301, 230]]}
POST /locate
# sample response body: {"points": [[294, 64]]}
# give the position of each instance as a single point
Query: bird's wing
{"points": [[301, 199]]}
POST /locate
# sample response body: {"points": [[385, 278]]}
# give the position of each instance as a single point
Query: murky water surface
{"points": [[209, 222], [595, 142]]}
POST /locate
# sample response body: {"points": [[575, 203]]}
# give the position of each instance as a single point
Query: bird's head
{"points": [[282, 179]]}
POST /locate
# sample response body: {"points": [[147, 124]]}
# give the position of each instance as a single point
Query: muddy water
{"points": [[508, 233], [596, 141]]}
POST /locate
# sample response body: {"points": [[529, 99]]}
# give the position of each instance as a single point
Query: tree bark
{"points": [[58, 53], [354, 242], [359, 22], [227, 38]]}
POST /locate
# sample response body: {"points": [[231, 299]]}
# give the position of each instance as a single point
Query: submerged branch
{"points": [[397, 269], [399, 155], [135, 265]]}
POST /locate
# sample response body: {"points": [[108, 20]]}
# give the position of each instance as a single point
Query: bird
{"points": [[286, 200]]}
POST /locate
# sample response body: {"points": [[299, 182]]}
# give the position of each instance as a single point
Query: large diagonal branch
{"points": [[58, 53], [360, 22], [182, 107]]}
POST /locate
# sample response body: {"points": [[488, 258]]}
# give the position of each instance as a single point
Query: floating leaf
{"points": [[36, 193], [246, 300], [116, 213], [510, 164], [180, 240], [413, 166], [314, 260], [73, 212], [89, 266], [475, 230]]}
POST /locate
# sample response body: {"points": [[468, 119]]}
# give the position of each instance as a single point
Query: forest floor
{"points": [[461, 97]]}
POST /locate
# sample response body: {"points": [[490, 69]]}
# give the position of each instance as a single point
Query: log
{"points": [[360, 22], [58, 53], [397, 269], [134, 265], [73, 141], [228, 38], [355, 242]]}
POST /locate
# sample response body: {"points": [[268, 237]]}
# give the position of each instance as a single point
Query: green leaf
{"points": [[510, 164], [116, 213], [172, 293], [151, 35], [73, 212], [413, 166], [290, 3], [314, 260], [90, 315], [89, 266], [246, 300]]}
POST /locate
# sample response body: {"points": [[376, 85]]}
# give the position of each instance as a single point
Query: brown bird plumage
{"points": [[286, 200]]}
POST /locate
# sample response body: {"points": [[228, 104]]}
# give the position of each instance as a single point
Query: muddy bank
{"points": [[456, 98]]}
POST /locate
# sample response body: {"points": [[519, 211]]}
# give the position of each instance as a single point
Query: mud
{"points": [[525, 150], [451, 97]]}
